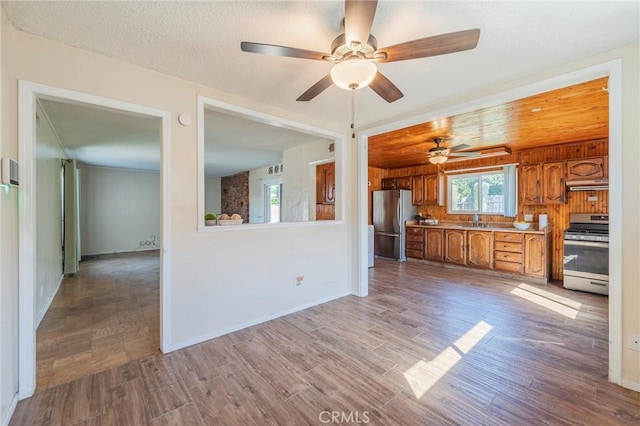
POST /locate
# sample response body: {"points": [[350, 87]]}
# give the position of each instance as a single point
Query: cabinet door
{"points": [[330, 184], [553, 188], [529, 184], [454, 246], [534, 255], [586, 168], [431, 189], [417, 191], [480, 252], [389, 183], [434, 244], [403, 182]]}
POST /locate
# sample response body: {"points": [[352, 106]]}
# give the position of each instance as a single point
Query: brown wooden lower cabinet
{"points": [[535, 262], [415, 242], [434, 244], [480, 249], [507, 251], [455, 250]]}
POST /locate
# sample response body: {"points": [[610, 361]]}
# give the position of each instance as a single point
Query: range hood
{"points": [[588, 185]]}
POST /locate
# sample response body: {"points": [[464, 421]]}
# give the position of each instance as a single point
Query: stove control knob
{"points": [[582, 237]]}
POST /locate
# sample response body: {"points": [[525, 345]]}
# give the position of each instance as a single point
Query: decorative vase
{"points": [[210, 222]]}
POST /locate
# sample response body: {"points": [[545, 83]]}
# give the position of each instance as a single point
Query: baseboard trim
{"points": [[635, 386], [52, 296], [12, 409], [204, 338]]}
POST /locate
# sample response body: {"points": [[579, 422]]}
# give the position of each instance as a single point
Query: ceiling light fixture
{"points": [[438, 159], [353, 74]]}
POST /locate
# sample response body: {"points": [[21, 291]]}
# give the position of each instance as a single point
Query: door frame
{"points": [[28, 92], [611, 69]]}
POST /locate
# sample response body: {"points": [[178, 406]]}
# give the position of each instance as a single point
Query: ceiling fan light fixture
{"points": [[353, 74], [438, 159]]}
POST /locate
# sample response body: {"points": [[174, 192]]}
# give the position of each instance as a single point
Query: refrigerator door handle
{"points": [[398, 218], [387, 234]]}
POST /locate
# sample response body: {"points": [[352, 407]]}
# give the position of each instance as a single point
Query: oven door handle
{"points": [[586, 243]]}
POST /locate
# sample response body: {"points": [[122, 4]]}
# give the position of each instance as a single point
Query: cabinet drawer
{"points": [[414, 230], [415, 245], [508, 266], [512, 247], [417, 254], [509, 236], [507, 256], [414, 237]]}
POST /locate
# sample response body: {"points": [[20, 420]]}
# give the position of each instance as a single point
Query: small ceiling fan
{"points": [[355, 53], [439, 154]]}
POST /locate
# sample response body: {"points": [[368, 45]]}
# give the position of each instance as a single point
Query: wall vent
{"points": [[10, 172]]}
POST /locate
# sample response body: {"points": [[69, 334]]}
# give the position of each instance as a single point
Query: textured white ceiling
{"points": [[200, 41], [104, 137], [107, 138], [234, 144]]}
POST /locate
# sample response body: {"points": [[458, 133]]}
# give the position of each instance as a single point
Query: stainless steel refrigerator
{"points": [[391, 208]]}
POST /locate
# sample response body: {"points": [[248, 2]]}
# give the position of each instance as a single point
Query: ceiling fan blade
{"points": [[432, 46], [459, 147], [358, 19], [385, 88], [316, 89], [272, 49], [464, 154]]}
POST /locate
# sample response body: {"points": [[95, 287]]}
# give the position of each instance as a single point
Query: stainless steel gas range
{"points": [[586, 253]]}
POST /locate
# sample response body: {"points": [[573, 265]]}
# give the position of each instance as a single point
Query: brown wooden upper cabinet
{"points": [[529, 184], [431, 189], [326, 183], [417, 191], [586, 168], [397, 183], [542, 183], [425, 189], [553, 185]]}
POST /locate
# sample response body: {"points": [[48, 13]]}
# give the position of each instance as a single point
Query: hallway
{"points": [[104, 316]]}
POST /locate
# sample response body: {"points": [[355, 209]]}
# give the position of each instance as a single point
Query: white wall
{"points": [[297, 183], [8, 259], [49, 154], [214, 283], [119, 209], [258, 178], [212, 194]]}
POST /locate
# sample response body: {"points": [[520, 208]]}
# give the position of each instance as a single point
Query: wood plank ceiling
{"points": [[570, 114]]}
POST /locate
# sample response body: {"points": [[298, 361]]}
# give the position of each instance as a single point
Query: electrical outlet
{"points": [[299, 279], [634, 342], [592, 198], [528, 217]]}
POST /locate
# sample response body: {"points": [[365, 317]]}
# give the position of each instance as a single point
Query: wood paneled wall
{"points": [[558, 213], [375, 183]]}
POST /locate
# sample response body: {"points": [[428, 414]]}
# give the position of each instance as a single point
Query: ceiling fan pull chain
{"points": [[353, 113]]}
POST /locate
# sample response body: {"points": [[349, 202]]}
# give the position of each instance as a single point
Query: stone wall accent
{"points": [[235, 195]]}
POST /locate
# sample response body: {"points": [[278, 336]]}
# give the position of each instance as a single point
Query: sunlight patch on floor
{"points": [[472, 337], [424, 374], [567, 307]]}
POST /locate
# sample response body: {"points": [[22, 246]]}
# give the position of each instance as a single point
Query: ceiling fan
{"points": [[439, 154], [355, 53]]}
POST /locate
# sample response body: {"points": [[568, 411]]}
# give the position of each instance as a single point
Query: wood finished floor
{"points": [[428, 346], [104, 316]]}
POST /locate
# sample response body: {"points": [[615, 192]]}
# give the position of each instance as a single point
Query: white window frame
{"points": [[267, 200], [470, 175]]}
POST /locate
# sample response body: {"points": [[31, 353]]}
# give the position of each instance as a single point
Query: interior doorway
{"points": [[29, 95]]}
